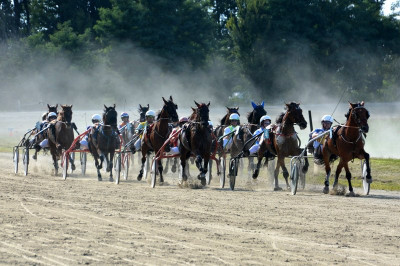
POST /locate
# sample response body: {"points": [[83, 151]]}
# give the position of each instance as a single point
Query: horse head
{"points": [[258, 111], [66, 114], [170, 107], [359, 115], [295, 114], [202, 113], [232, 110], [52, 108], [110, 116], [142, 112]]}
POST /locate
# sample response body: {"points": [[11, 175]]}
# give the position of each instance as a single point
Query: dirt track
{"points": [[45, 220]]}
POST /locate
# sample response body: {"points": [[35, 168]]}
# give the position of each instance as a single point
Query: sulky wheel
{"points": [[117, 167], [295, 177], [223, 171], [26, 160], [366, 182], [208, 175], [153, 173], [127, 159], [83, 159], [16, 158], [233, 168], [65, 162]]}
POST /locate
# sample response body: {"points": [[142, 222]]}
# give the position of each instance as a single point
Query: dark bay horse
{"points": [[348, 144], [103, 141], [61, 135], [196, 139], [157, 134], [284, 141]]}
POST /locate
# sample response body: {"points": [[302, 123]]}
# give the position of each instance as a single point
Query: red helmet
{"points": [[183, 119]]}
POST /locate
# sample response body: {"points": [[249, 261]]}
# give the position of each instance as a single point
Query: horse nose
{"points": [[365, 128]]}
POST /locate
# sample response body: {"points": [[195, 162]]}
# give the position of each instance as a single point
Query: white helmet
{"points": [[265, 117], [96, 117], [51, 114], [150, 113], [234, 117], [327, 118], [210, 123]]}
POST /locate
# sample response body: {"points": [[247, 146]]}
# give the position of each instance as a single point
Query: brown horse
{"points": [[157, 134], [196, 139], [348, 143], [103, 141], [284, 142], [61, 135]]}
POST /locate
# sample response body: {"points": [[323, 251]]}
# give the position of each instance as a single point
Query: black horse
{"points": [[103, 141], [196, 139]]}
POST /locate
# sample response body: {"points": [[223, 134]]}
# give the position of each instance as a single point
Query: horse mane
{"points": [[279, 118], [250, 116], [158, 115], [223, 120]]}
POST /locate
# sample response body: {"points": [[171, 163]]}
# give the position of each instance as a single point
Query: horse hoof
{"points": [[73, 167], [203, 182], [351, 194], [173, 169], [255, 175], [111, 179], [139, 177], [34, 157], [304, 169], [99, 179], [277, 189], [326, 190]]}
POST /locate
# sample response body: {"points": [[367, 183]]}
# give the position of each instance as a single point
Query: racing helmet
{"points": [[265, 117], [151, 113], [124, 114], [183, 119], [96, 117], [51, 114], [327, 118], [234, 117]]}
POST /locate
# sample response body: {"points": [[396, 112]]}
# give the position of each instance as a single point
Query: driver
{"points": [[141, 130], [316, 146], [265, 121], [234, 121], [84, 143]]}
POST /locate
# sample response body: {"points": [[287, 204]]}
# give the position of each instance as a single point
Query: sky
{"points": [[386, 6]]}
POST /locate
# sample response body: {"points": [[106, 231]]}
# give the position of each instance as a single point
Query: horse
{"points": [[61, 135], [196, 139], [157, 134], [284, 141], [103, 141], [347, 143]]}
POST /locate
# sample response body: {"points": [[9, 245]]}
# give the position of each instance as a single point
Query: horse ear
{"points": [[48, 106], [262, 104], [208, 105], [105, 106], [140, 106], [362, 103], [114, 105], [71, 106], [164, 100], [170, 97], [148, 105], [56, 105], [227, 107], [253, 104], [198, 105], [194, 109], [237, 108]]}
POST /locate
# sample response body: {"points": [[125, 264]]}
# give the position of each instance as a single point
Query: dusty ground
{"points": [[47, 221]]}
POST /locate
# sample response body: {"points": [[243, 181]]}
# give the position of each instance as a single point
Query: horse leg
{"points": [[183, 165], [72, 162], [110, 164], [326, 155], [202, 175], [306, 164], [160, 169], [348, 176], [98, 167], [140, 175], [285, 173], [257, 169], [366, 157], [55, 163], [276, 173], [338, 171], [173, 168]]}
